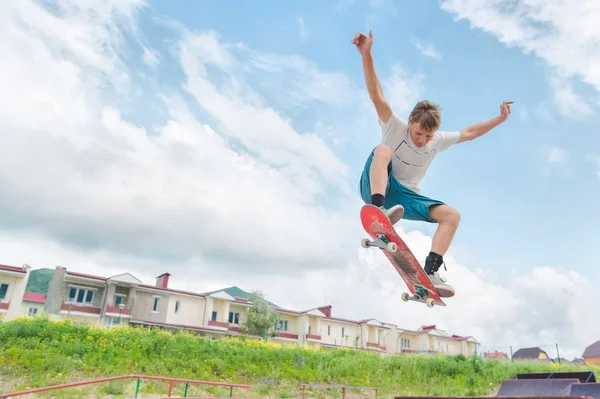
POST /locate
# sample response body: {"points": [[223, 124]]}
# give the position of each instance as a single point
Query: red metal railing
{"points": [[122, 377]]}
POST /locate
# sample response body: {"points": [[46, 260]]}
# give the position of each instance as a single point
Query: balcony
{"points": [[90, 310], [376, 346], [286, 335], [313, 337], [219, 324], [123, 311]]}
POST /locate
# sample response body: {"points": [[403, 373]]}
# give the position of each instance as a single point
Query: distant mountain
{"points": [[39, 280], [237, 292]]}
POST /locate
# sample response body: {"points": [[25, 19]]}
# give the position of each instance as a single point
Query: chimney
{"points": [[326, 310], [162, 281]]}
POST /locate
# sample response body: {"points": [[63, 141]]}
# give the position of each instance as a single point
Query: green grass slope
{"points": [[37, 352]]}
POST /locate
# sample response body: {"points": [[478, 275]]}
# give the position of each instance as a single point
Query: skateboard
{"points": [[379, 227]]}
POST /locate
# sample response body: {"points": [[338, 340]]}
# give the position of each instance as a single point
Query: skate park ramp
{"points": [[566, 385], [536, 387], [551, 384]]}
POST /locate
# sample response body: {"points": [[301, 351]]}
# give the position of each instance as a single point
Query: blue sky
{"points": [[155, 130]]}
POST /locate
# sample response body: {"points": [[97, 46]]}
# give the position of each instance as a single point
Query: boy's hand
{"points": [[505, 109], [363, 42]]}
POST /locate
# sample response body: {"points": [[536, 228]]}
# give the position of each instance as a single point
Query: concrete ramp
{"points": [[536, 387]]}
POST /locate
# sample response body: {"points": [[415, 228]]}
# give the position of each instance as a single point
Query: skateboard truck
{"points": [[421, 295], [382, 242]]}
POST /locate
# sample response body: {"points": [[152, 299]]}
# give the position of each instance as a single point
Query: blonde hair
{"points": [[427, 115]]}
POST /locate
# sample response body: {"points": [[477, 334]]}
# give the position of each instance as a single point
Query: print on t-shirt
{"points": [[409, 156]]}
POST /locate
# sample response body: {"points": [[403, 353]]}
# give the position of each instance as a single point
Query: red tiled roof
{"points": [[34, 297], [87, 276], [592, 351], [173, 290], [12, 268]]}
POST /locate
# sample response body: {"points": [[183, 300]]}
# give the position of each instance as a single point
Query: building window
{"points": [[32, 311], [282, 325], [81, 295], [155, 305], [342, 332], [405, 343], [119, 299], [214, 315], [176, 306], [3, 291], [234, 318], [329, 330]]}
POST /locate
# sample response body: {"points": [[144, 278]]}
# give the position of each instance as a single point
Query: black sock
{"points": [[433, 262], [377, 199]]}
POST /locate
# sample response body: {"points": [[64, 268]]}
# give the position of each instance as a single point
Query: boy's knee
{"points": [[383, 152], [453, 217], [446, 214]]}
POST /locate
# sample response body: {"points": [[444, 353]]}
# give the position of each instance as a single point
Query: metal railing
{"points": [[129, 376]]}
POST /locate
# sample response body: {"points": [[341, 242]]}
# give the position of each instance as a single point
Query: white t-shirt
{"points": [[409, 162]]}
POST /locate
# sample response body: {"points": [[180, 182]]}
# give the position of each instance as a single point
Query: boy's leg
{"points": [[420, 208], [448, 220], [375, 182]]}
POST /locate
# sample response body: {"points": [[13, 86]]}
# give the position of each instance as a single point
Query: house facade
{"points": [[120, 299], [591, 354], [13, 280], [532, 353]]}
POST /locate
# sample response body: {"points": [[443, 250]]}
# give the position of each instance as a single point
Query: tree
{"points": [[261, 318]]}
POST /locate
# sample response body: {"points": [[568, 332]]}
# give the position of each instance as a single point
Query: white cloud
{"points": [[543, 114], [426, 48], [151, 57], [595, 159], [402, 90], [247, 189], [557, 154], [567, 101], [302, 32], [563, 33]]}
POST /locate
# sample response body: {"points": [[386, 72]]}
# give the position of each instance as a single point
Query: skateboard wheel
{"points": [[404, 296], [391, 247], [365, 243], [429, 302]]}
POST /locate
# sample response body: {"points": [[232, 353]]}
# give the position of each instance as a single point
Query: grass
{"points": [[36, 352]]}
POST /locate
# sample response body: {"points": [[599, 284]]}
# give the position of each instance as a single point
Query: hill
{"points": [[39, 280], [37, 352]]}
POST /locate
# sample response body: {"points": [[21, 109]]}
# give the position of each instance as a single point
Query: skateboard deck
{"points": [[379, 227]]}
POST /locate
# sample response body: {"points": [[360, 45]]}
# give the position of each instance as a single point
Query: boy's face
{"points": [[419, 135]]}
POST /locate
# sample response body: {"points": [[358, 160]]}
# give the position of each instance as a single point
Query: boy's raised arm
{"points": [[481, 128], [363, 44]]}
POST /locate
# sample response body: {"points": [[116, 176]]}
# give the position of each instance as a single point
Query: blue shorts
{"points": [[416, 206]]}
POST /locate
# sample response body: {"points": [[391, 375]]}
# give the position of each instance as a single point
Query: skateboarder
{"points": [[393, 170]]}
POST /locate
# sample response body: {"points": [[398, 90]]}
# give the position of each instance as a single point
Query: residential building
{"points": [[123, 298], [533, 353], [13, 280], [33, 303], [495, 355], [591, 354]]}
